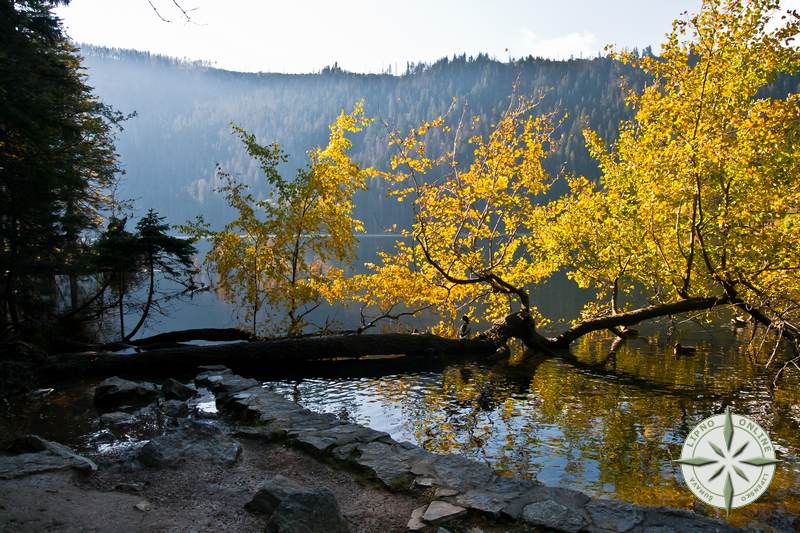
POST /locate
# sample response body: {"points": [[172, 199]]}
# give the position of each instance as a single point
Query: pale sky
{"points": [[368, 35]]}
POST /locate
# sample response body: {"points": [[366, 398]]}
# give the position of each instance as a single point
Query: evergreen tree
{"points": [[56, 158]]}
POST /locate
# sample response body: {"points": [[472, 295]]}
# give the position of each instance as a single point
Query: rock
{"points": [[494, 497], [553, 515], [415, 523], [192, 440], [567, 497], [129, 487], [117, 419], [143, 506], [114, 392], [224, 383], [467, 484], [175, 390], [214, 368], [205, 414], [438, 512], [323, 432], [175, 408], [267, 432], [296, 509], [390, 463], [444, 492], [667, 520], [32, 454], [453, 471], [614, 515]]}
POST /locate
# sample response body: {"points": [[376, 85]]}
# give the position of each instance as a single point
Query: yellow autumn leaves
{"points": [[698, 196]]}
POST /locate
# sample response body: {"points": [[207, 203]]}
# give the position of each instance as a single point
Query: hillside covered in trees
{"points": [[185, 109]]}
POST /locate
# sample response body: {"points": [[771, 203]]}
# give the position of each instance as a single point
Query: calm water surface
{"points": [[611, 431], [608, 425]]}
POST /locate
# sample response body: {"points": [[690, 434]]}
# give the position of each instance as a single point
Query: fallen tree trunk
{"points": [[631, 318], [272, 355], [199, 334]]}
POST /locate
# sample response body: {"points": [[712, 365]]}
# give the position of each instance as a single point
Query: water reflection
{"points": [[611, 431]]}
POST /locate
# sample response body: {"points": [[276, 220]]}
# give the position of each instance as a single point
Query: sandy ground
{"points": [[193, 497]]}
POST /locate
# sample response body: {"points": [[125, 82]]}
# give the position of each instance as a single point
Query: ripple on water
{"points": [[613, 433]]}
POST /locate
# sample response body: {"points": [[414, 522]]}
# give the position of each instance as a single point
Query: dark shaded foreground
{"points": [[195, 496]]}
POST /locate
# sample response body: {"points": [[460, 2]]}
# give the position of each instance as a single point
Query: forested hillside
{"points": [[184, 110]]}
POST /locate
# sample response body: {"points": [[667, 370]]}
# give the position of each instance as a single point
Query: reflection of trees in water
{"points": [[610, 437]]}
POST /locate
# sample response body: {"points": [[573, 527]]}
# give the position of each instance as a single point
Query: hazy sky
{"points": [[368, 36]]}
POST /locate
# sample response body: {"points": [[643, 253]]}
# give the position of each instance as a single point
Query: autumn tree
{"points": [[696, 207], [698, 200], [473, 248], [281, 252]]}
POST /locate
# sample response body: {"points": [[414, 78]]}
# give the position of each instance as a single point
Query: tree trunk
{"points": [[199, 334], [269, 356], [73, 291], [121, 306], [631, 318], [147, 304]]}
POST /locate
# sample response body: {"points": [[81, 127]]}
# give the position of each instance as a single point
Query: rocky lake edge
{"points": [[291, 469]]}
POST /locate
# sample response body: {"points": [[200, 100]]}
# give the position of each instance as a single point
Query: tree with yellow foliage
{"points": [[699, 196], [278, 255], [697, 205], [474, 243]]}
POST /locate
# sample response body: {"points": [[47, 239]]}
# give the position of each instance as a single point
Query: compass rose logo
{"points": [[728, 461]]}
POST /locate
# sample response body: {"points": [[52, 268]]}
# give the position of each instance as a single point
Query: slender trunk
{"points": [[150, 291], [615, 296], [255, 288], [293, 284], [11, 281], [121, 305], [73, 291]]}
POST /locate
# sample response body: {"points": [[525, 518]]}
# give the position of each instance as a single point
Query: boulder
{"points": [[175, 408], [553, 515], [192, 440], [614, 515], [415, 523], [31, 455], [115, 392], [175, 390], [438, 512], [117, 419], [390, 463], [293, 508]]}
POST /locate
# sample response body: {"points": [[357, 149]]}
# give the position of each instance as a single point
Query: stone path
{"points": [[461, 485]]}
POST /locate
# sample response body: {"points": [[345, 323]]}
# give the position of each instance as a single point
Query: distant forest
{"points": [[184, 109]]}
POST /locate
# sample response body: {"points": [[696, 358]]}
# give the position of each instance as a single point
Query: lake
{"points": [[609, 425]]}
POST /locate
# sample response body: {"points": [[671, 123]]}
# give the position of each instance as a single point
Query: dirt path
{"points": [[193, 497]]}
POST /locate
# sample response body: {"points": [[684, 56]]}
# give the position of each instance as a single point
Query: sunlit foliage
{"points": [[281, 252], [697, 201], [473, 244], [699, 195]]}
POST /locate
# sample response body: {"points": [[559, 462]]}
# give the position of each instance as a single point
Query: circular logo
{"points": [[728, 461]]}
